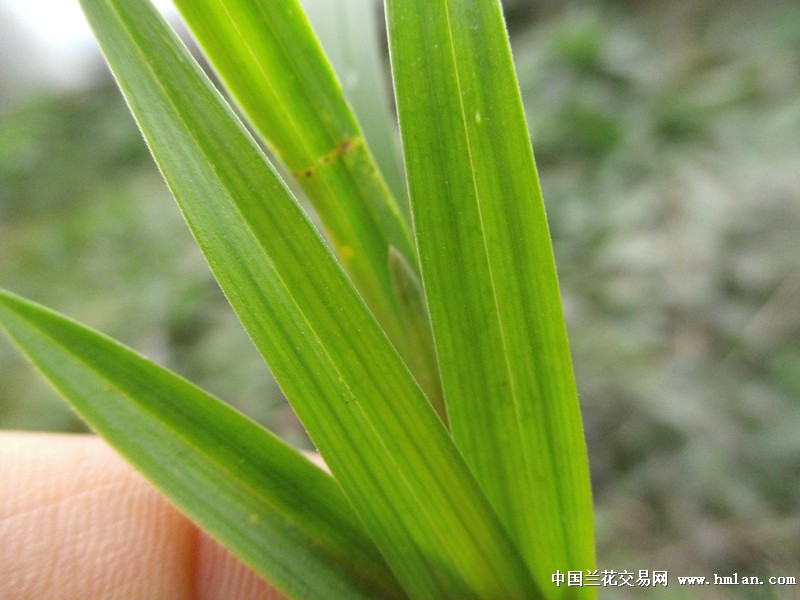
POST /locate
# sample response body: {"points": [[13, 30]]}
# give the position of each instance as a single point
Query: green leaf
{"points": [[281, 514], [414, 317], [489, 276], [350, 33], [273, 65], [269, 59], [378, 434]]}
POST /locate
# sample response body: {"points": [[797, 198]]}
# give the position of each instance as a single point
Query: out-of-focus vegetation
{"points": [[668, 141], [666, 136], [87, 225]]}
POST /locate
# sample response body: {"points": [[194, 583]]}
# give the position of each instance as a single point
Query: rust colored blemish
{"points": [[343, 148]]}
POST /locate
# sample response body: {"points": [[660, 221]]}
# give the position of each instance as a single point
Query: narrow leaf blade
{"points": [[270, 60], [350, 33], [416, 323], [279, 513], [378, 434], [489, 276]]}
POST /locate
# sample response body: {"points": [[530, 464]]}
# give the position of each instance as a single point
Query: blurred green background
{"points": [[667, 138]]}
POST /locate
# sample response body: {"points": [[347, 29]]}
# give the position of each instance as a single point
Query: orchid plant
{"points": [[423, 348]]}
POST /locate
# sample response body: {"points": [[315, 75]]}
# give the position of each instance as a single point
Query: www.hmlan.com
{"points": [[645, 578]]}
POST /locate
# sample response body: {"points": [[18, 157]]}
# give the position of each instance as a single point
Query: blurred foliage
{"points": [[87, 226], [666, 136], [667, 141]]}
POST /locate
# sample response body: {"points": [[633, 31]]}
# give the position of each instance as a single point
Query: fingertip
{"points": [[78, 523], [221, 576]]}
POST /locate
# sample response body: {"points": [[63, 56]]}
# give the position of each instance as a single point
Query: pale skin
{"points": [[76, 523]]}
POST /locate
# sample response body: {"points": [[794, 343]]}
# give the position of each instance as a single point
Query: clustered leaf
{"points": [[411, 509], [274, 67], [235, 479]]}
